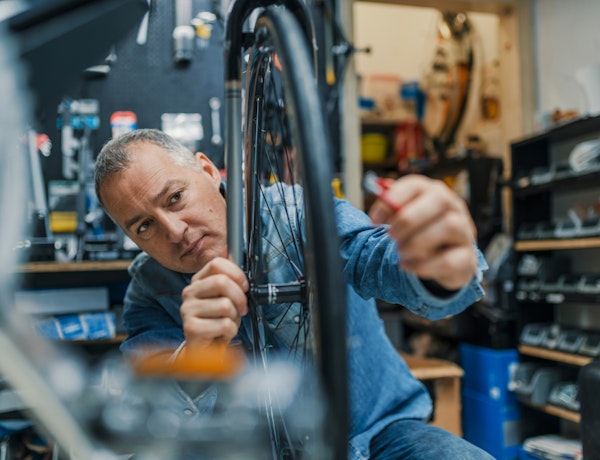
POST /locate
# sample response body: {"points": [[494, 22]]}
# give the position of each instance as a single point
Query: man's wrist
{"points": [[437, 289]]}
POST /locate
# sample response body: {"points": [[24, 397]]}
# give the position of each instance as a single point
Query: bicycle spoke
{"points": [[272, 156], [278, 232]]}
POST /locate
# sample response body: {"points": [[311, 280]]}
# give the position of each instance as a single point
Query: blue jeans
{"points": [[416, 440]]}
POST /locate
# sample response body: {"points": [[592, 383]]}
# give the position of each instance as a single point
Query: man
{"points": [[185, 294]]}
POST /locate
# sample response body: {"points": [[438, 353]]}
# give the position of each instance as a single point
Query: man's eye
{"points": [[175, 197], [146, 230], [143, 228]]}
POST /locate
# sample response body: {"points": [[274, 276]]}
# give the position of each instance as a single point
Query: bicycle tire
{"points": [[288, 161]]}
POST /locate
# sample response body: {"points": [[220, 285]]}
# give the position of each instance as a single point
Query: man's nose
{"points": [[174, 228]]}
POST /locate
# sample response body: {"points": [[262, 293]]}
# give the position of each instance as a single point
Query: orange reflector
{"points": [[215, 362]]}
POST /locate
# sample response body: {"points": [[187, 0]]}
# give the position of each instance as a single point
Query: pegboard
{"points": [[145, 79]]}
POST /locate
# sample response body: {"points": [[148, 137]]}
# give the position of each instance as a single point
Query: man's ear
{"points": [[207, 166]]}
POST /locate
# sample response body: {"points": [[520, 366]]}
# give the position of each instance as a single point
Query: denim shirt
{"points": [[381, 387]]}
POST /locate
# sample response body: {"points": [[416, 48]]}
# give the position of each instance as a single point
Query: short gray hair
{"points": [[115, 155]]}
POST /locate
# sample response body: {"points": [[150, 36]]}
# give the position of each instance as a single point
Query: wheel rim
{"points": [[281, 152]]}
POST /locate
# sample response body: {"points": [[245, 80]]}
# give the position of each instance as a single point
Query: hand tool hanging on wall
{"points": [[191, 31], [142, 35], [101, 70], [203, 26], [38, 144], [183, 33], [215, 117], [37, 243], [77, 119]]}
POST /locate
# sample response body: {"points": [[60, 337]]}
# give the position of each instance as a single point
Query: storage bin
{"points": [[533, 383], [492, 425], [488, 372]]}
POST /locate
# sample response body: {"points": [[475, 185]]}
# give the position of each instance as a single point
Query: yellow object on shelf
{"points": [[374, 147], [63, 221]]}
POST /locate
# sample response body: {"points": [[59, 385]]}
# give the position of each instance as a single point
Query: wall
{"points": [[402, 41], [403, 38], [566, 37]]}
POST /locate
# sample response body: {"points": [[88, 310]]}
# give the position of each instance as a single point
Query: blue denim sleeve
{"points": [[371, 265], [148, 325], [151, 308]]}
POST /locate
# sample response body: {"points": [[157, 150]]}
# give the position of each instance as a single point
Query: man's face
{"points": [[174, 213]]}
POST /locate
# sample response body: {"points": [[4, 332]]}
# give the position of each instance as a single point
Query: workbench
{"points": [[446, 377]]}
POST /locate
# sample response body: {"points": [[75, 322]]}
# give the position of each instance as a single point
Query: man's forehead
{"points": [[143, 147]]}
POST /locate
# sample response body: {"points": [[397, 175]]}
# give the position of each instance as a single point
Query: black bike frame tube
{"points": [[233, 166]]}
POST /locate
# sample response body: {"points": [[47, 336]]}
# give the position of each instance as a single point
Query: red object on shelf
{"points": [[408, 145], [122, 122]]}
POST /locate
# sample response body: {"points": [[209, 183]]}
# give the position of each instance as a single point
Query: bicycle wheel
{"points": [[297, 299]]}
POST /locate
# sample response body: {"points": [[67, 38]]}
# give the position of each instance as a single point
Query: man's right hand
{"points": [[214, 303]]}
